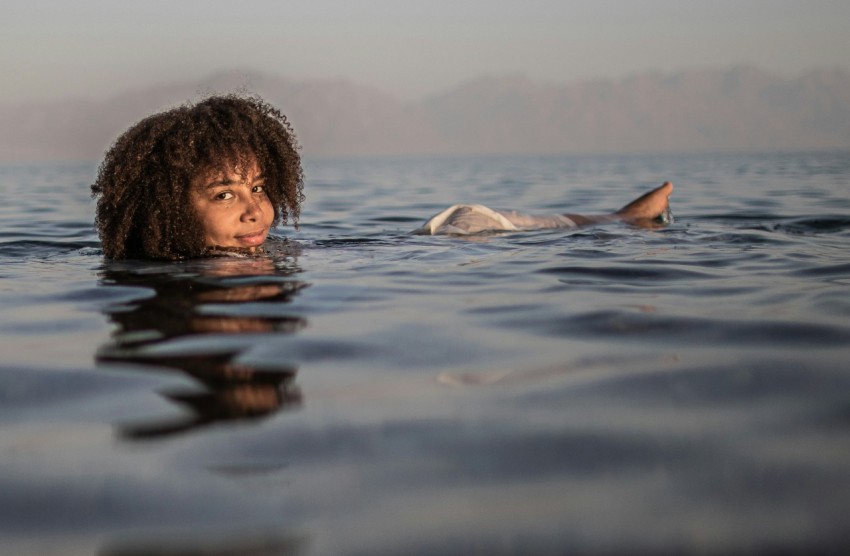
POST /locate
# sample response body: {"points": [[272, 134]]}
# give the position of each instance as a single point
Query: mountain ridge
{"points": [[741, 108]]}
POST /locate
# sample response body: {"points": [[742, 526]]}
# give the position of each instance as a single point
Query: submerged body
{"points": [[475, 219], [648, 210]]}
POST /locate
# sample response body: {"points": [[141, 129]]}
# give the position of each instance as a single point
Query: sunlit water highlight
{"points": [[366, 391]]}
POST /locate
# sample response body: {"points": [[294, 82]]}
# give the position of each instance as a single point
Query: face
{"points": [[234, 212]]}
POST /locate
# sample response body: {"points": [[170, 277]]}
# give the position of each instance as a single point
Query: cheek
{"points": [[268, 210], [210, 221], [197, 225]]}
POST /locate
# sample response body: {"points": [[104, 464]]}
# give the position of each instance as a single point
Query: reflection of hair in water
{"points": [[182, 305], [233, 392]]}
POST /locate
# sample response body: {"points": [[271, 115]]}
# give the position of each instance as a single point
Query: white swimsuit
{"points": [[474, 219]]}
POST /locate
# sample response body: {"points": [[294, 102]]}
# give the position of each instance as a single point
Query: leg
{"points": [[643, 211], [648, 206]]}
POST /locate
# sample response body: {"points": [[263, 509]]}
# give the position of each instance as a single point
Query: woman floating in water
{"points": [[216, 176]]}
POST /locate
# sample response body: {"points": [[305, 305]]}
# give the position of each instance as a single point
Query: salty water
{"points": [[365, 391]]}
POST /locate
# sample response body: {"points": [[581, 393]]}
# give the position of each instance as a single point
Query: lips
{"points": [[252, 239]]}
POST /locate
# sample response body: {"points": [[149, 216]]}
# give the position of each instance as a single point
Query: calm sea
{"points": [[365, 391]]}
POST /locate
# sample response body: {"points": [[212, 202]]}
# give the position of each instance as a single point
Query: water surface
{"points": [[366, 391]]}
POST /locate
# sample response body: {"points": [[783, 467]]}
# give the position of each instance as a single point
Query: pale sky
{"points": [[95, 48]]}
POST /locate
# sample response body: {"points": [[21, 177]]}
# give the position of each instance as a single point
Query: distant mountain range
{"points": [[741, 108]]}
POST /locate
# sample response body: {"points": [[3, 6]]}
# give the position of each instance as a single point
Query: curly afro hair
{"points": [[143, 184]]}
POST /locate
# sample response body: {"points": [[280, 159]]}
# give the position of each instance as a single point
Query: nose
{"points": [[251, 211]]}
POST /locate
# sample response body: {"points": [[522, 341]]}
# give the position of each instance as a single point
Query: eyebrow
{"points": [[226, 182]]}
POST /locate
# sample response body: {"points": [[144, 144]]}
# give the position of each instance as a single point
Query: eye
{"points": [[261, 188], [224, 196]]}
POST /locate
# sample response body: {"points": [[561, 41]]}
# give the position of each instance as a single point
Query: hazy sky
{"points": [[59, 48]]}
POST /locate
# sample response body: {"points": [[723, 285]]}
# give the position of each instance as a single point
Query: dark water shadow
{"points": [[249, 543], [188, 318]]}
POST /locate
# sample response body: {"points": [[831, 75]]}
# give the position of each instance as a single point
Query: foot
{"points": [[649, 206]]}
